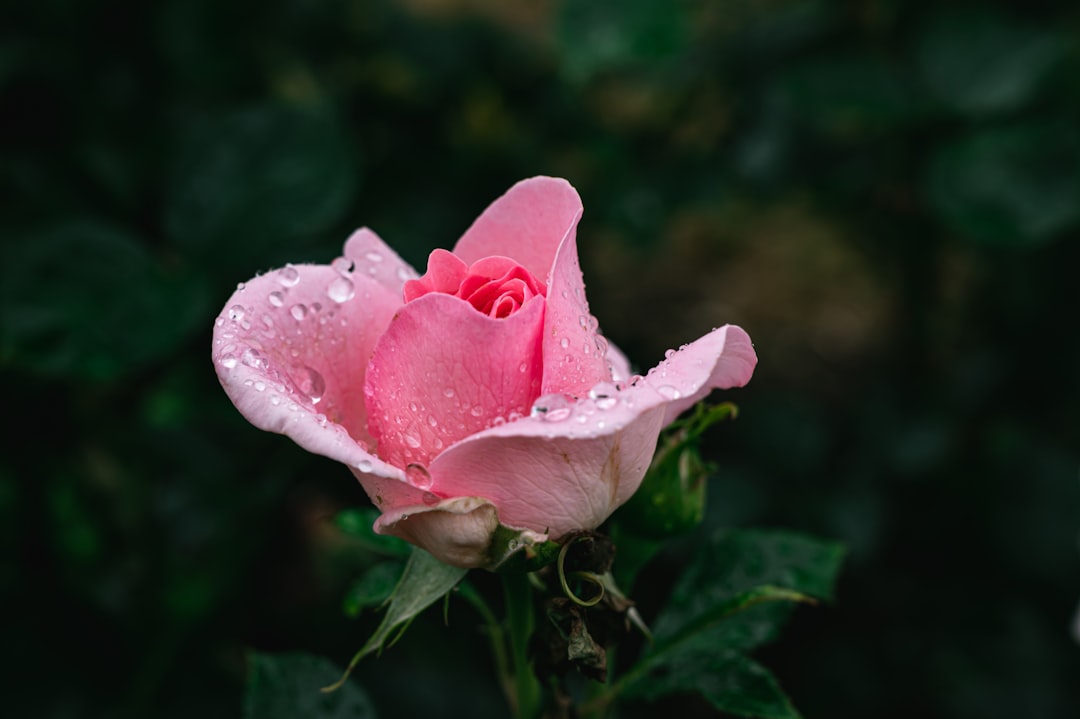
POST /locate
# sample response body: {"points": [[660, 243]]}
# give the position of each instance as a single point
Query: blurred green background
{"points": [[884, 193]]}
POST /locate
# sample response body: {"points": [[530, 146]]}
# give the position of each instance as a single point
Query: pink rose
{"points": [[478, 394]]}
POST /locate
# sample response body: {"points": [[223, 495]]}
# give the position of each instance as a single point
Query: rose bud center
{"points": [[495, 286]]}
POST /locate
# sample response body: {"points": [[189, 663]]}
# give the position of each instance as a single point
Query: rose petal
{"points": [[443, 371], [455, 531], [727, 356], [618, 363], [373, 258], [575, 355], [527, 224], [556, 475], [285, 349]]}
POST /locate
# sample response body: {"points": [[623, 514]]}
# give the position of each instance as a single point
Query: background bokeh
{"points": [[884, 193]]}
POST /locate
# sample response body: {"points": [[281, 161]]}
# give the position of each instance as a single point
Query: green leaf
{"points": [[359, 525], [286, 686], [373, 588], [735, 562], [734, 596], [728, 680], [1015, 186], [423, 582], [977, 61]]}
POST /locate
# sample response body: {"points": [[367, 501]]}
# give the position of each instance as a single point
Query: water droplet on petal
{"points": [[564, 342], [228, 361], [418, 475], [341, 290], [668, 354], [236, 313], [522, 367], [277, 299], [583, 322], [476, 411], [412, 440], [343, 265], [260, 386], [448, 392], [374, 257], [551, 408], [364, 465], [310, 383], [253, 358], [298, 312], [432, 421], [669, 392], [404, 274], [288, 276]]}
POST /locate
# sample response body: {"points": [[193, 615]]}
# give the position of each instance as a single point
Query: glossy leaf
{"points": [[424, 581]]}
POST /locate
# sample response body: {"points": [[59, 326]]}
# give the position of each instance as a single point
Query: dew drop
{"points": [[260, 386], [341, 290], [374, 257], [412, 440], [253, 358], [343, 265], [275, 400], [437, 443], [298, 312], [668, 354], [476, 411], [418, 475], [586, 348], [583, 322], [364, 465], [551, 408], [448, 393], [432, 421], [669, 392], [564, 342], [236, 313], [288, 276], [522, 367], [277, 299], [404, 274], [310, 383], [228, 361]]}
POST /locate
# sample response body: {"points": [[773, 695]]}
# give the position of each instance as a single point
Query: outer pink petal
{"points": [[374, 258], [722, 359], [574, 353], [443, 371], [559, 476], [527, 224], [618, 363], [455, 531], [292, 359]]}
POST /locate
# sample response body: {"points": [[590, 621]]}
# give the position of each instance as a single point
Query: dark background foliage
{"points": [[885, 193]]}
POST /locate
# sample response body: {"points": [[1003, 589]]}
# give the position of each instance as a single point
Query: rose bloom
{"points": [[476, 395]]}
